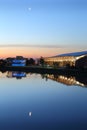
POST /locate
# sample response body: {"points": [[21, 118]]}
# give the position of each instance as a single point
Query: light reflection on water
{"points": [[64, 79], [35, 101]]}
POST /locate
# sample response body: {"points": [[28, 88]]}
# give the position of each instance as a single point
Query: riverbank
{"points": [[45, 70]]}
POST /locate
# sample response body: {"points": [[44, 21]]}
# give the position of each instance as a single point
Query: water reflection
{"points": [[68, 80], [76, 80], [16, 74], [37, 101]]}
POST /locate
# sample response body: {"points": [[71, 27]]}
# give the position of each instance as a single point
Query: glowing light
{"points": [[30, 113], [29, 9]]}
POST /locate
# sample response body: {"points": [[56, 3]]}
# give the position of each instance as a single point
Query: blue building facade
{"points": [[17, 62]]}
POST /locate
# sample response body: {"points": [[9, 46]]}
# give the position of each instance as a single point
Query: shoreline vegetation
{"points": [[66, 76], [39, 66], [45, 70]]}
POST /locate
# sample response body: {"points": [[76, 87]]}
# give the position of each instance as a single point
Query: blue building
{"points": [[19, 61]]}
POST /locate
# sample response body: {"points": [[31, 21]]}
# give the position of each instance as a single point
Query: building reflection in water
{"points": [[68, 80], [76, 80], [16, 74]]}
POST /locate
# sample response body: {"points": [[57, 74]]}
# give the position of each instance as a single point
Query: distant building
{"points": [[19, 61], [65, 60], [16, 61], [82, 62]]}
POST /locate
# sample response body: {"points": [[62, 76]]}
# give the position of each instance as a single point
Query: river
{"points": [[30, 101]]}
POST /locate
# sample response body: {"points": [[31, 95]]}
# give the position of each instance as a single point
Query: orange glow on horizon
{"points": [[33, 52], [23, 51]]}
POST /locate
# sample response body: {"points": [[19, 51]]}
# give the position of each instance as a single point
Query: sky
{"points": [[35, 28]]}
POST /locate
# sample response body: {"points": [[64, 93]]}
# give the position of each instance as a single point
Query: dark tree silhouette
{"points": [[2, 62], [41, 61], [30, 61]]}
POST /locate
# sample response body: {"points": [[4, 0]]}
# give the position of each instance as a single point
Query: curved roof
{"points": [[74, 54]]}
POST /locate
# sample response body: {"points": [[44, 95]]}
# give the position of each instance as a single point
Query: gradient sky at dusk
{"points": [[42, 27]]}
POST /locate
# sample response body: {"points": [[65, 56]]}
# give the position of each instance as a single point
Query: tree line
{"points": [[29, 62]]}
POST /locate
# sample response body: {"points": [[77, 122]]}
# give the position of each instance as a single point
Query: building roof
{"points": [[74, 54]]}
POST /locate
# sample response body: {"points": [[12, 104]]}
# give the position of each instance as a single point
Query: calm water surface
{"points": [[42, 102]]}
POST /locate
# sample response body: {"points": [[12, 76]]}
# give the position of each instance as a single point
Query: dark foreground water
{"points": [[42, 102]]}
